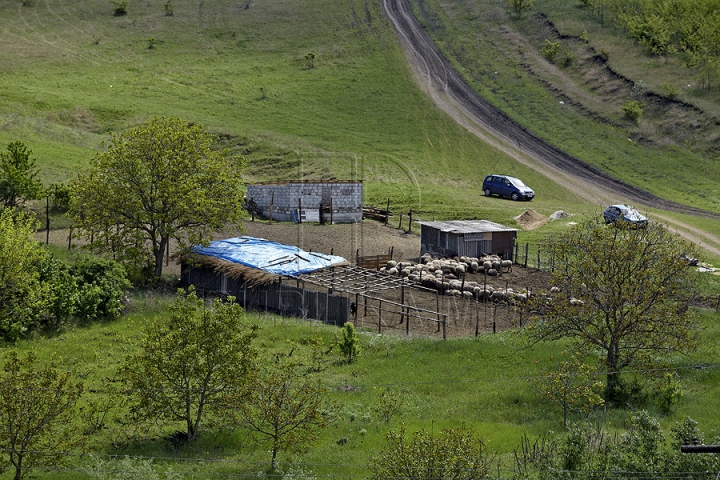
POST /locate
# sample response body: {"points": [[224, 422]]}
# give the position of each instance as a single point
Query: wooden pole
{"points": [[410, 221], [272, 201], [300, 210], [387, 212]]}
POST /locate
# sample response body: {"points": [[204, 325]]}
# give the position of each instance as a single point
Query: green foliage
{"points": [[572, 385], [389, 404], [349, 344], [169, 10], [622, 292], [550, 49], [310, 60], [668, 392], [36, 403], [669, 90], [101, 286], [120, 7], [24, 298], [151, 43], [633, 109], [159, 181], [519, 6], [642, 451], [18, 176], [125, 467], [456, 453], [59, 194], [189, 362], [584, 36], [283, 409]]}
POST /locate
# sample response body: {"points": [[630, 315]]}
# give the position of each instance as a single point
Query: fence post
{"points": [[527, 248], [387, 212], [410, 221], [538, 264], [272, 201], [400, 224], [379, 316]]}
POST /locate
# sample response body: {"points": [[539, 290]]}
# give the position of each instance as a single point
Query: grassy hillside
{"points": [[74, 73], [485, 381]]}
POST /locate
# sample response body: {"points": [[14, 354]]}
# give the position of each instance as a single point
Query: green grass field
{"points": [[485, 381], [71, 73]]}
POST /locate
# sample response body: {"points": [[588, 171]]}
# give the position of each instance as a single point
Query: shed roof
{"points": [[461, 227], [272, 257]]}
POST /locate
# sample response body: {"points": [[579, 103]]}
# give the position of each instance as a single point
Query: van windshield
{"points": [[517, 182]]}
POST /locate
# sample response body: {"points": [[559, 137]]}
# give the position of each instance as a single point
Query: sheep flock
{"points": [[447, 276]]}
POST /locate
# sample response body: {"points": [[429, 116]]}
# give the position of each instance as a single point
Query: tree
{"points": [[18, 176], [284, 409], [189, 362], [35, 404], [159, 181], [349, 344], [24, 297], [621, 292], [456, 453], [521, 5], [572, 385]]}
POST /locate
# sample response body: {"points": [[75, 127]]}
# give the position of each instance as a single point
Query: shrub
{"points": [[633, 110], [169, 11], [669, 90], [101, 286], [550, 49], [349, 344], [120, 7]]}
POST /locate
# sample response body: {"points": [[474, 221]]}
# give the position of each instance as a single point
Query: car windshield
{"points": [[517, 182]]}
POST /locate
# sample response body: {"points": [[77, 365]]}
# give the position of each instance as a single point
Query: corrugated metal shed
{"points": [[468, 226], [472, 238]]}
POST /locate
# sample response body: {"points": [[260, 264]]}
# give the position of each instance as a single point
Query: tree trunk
{"points": [[18, 468], [159, 253], [613, 376]]}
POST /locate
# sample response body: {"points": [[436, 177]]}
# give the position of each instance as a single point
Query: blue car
{"points": [[626, 213], [507, 186]]}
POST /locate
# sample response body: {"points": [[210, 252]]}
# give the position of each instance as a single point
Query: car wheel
{"points": [[514, 196], [487, 192]]}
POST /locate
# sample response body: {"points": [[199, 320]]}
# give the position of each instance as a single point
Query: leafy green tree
{"points": [[189, 362], [622, 292], [18, 176], [159, 181], [572, 385], [284, 409], [36, 403], [349, 344], [24, 298], [456, 453]]}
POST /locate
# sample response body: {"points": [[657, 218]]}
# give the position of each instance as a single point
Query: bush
{"points": [[101, 286], [669, 90], [550, 49], [633, 110], [120, 7]]}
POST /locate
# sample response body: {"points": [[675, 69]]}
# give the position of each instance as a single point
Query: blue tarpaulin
{"points": [[272, 257]]}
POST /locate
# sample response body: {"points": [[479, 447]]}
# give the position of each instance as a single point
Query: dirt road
{"points": [[453, 95]]}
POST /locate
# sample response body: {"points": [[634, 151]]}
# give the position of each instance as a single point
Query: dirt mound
{"points": [[560, 214], [530, 220]]}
